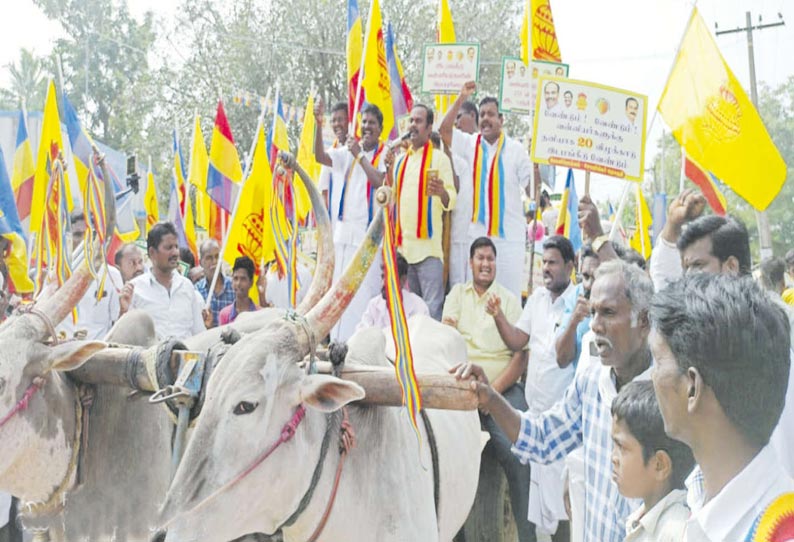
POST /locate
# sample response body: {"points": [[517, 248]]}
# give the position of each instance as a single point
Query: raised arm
{"points": [[514, 338], [320, 155], [565, 345], [448, 122]]}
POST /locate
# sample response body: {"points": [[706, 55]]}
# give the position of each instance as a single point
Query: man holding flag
{"points": [[500, 170], [339, 123], [360, 167]]}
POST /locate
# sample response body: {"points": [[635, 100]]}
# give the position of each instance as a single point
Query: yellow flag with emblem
{"points": [[716, 123]]}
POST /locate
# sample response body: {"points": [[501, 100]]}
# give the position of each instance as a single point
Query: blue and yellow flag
{"points": [[224, 172], [11, 229], [24, 170], [568, 219]]}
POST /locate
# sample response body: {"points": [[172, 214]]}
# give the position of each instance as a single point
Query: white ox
{"points": [[386, 489], [127, 460]]}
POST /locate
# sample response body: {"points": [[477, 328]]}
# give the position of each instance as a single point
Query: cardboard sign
{"points": [[518, 87], [589, 126], [447, 66]]}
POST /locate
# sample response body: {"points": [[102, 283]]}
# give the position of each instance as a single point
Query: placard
{"points": [[518, 87], [600, 129], [446, 67]]}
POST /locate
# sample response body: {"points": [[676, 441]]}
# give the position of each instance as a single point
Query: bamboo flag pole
{"points": [[250, 160], [357, 103]]}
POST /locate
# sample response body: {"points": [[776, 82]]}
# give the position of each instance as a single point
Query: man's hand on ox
{"points": [[489, 400], [479, 382]]}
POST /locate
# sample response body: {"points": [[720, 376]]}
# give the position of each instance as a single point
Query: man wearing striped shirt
{"points": [[620, 299]]}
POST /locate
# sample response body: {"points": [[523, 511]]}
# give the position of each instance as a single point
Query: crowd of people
{"points": [[626, 400]]}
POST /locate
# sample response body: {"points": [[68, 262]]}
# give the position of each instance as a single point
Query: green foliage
{"points": [[28, 82]]}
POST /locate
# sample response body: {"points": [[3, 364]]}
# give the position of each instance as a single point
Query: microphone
{"points": [[397, 141]]}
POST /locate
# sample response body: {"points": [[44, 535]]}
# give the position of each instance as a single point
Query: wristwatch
{"points": [[599, 242]]}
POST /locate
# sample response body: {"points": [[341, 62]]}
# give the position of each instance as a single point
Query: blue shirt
{"points": [[583, 417], [582, 328], [225, 298]]}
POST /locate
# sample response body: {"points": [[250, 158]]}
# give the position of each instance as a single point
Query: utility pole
{"points": [[760, 216]]}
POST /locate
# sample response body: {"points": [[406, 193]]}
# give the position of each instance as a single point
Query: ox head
{"points": [[36, 443], [220, 490]]}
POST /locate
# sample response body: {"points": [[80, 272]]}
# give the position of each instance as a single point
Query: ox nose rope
{"points": [[23, 403]]}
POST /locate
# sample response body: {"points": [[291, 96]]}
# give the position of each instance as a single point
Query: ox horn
{"points": [[57, 306], [329, 309], [324, 270]]}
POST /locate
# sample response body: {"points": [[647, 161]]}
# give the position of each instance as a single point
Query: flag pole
{"points": [[357, 104], [225, 235], [616, 225]]}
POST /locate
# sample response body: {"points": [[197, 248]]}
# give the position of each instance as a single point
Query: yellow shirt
{"points": [[413, 249], [483, 342]]}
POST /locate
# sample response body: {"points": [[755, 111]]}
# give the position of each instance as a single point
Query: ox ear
{"points": [[69, 356], [327, 393]]}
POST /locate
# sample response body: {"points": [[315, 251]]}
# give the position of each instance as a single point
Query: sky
{"points": [[628, 44]]}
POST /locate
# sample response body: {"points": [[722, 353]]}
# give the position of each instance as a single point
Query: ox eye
{"points": [[245, 407]]}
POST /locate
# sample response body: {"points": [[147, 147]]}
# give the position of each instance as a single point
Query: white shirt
{"points": [[461, 214], [518, 173], [176, 313], [94, 316], [377, 313], [353, 227], [277, 288], [665, 522], [730, 514], [546, 381], [665, 264]]}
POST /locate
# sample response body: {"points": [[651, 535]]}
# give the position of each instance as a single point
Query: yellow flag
{"points": [[250, 233], [538, 36], [376, 82], [50, 146], [306, 159], [641, 238], [150, 201], [716, 124], [445, 33], [197, 175]]}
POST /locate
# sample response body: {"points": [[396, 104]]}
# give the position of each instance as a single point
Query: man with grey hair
{"points": [[619, 300], [223, 295]]}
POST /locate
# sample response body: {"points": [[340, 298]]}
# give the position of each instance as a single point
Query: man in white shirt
{"points": [[168, 297], [339, 123], [358, 169], [492, 155], [690, 243], [129, 261], [551, 95], [96, 313], [377, 313], [721, 350], [546, 379], [460, 240]]}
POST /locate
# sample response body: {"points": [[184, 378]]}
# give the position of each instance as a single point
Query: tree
{"points": [[106, 70], [28, 82]]}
